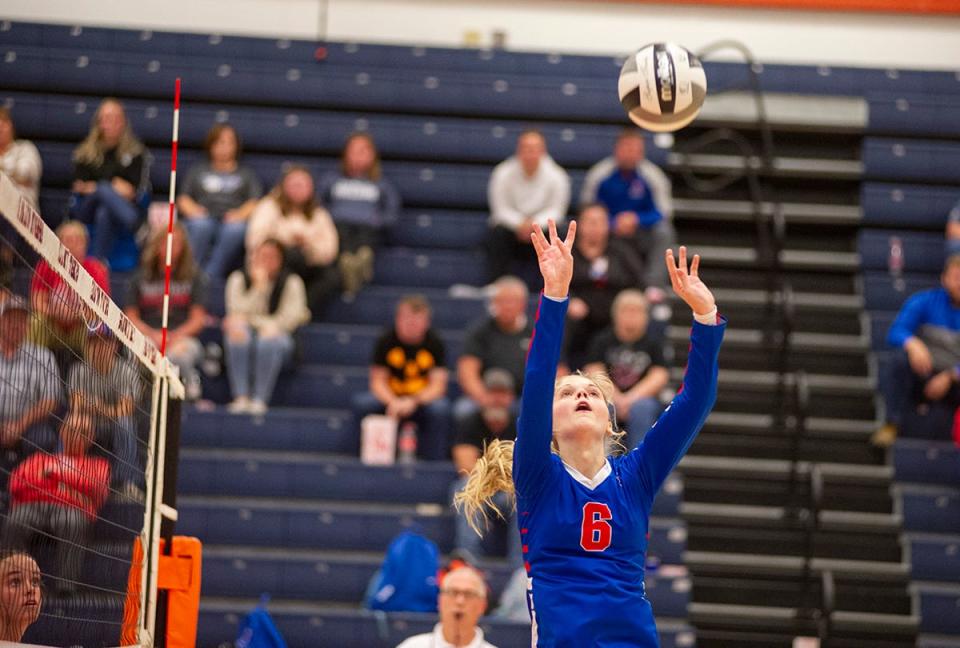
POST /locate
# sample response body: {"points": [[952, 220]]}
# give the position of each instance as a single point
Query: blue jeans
{"points": [[467, 538], [109, 214], [643, 414], [269, 355], [217, 246], [434, 427]]}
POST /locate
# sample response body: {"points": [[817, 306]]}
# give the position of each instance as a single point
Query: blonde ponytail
{"points": [[492, 473]]}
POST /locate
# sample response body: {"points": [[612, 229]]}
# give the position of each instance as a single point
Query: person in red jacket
{"points": [[60, 495], [58, 314]]}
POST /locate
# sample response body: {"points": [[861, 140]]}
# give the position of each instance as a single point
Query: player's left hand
{"points": [[686, 283]]}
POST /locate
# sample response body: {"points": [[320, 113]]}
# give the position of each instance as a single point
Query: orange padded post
{"points": [[179, 574]]}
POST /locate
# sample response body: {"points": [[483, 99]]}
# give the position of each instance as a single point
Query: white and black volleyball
{"points": [[662, 87]]}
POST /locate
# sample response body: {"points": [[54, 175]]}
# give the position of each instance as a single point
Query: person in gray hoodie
{"points": [[363, 203]]}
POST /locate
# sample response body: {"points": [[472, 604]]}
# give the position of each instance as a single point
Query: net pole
{"points": [[153, 592], [162, 395], [150, 527]]}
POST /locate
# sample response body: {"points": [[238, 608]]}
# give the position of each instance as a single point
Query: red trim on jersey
{"points": [[536, 318]]}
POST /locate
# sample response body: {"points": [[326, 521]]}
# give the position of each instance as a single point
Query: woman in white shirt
{"points": [[266, 304], [291, 215], [19, 158]]}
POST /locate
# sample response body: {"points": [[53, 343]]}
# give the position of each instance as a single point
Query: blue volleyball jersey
{"points": [[585, 541]]}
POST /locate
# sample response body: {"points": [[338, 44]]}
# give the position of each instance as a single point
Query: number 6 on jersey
{"points": [[595, 531]]}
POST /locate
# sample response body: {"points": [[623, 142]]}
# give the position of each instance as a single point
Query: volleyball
{"points": [[662, 87]]}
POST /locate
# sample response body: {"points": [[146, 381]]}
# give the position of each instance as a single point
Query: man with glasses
{"points": [[462, 601]]}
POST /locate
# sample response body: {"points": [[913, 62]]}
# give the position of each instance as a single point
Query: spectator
{"points": [[107, 388], [494, 420], [19, 159], [637, 195], [524, 191], [291, 216], [218, 197], [21, 594], [924, 365], [462, 601], [110, 168], [58, 320], [188, 295], [30, 389], [60, 495], [602, 268], [266, 304], [500, 340], [635, 360], [363, 204], [408, 378]]}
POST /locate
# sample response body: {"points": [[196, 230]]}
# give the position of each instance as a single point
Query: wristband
{"points": [[709, 319]]}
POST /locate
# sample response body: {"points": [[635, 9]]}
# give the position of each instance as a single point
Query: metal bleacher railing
{"points": [[791, 393]]}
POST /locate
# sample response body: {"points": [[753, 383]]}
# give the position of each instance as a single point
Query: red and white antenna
{"points": [[173, 194]]}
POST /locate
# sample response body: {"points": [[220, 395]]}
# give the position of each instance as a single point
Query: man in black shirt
{"points": [[497, 341], [636, 361], [408, 378], [494, 421]]}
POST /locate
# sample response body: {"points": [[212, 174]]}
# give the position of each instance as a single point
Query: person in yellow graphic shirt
{"points": [[408, 378]]}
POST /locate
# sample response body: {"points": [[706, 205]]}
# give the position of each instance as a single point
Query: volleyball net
{"points": [[84, 402]]}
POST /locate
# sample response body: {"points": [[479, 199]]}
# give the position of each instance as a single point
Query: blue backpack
{"points": [[407, 581], [258, 630]]}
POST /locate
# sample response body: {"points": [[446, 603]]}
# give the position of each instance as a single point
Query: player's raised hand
{"points": [[686, 283], [555, 258]]}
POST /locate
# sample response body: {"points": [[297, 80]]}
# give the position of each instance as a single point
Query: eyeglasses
{"points": [[467, 594]]}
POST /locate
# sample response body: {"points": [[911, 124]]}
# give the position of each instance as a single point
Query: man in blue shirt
{"points": [[637, 195], [926, 336]]}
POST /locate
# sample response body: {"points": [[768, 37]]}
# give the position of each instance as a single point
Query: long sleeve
{"points": [[253, 304], [26, 166], [263, 223], [660, 186], [908, 320], [671, 436], [248, 302], [322, 243], [292, 310], [595, 175], [234, 294], [531, 456], [29, 479], [559, 195], [502, 211]]}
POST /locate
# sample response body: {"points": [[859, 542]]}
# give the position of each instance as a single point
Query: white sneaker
{"points": [[239, 405], [257, 408], [192, 386]]}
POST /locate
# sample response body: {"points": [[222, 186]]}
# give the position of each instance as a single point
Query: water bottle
{"points": [[407, 443]]}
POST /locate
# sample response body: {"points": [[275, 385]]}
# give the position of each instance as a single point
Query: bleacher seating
{"points": [[913, 183], [281, 502]]}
